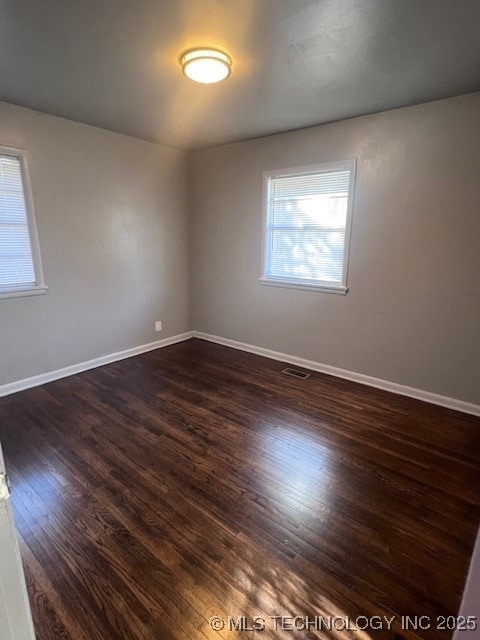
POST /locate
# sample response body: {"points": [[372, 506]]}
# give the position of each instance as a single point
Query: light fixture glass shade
{"points": [[206, 65]]}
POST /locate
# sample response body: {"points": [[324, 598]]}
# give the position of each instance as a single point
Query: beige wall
{"points": [[412, 315], [112, 222]]}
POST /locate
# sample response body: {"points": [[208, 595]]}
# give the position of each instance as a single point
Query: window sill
{"points": [[20, 293], [289, 284]]}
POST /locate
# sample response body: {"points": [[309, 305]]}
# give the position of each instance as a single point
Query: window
{"points": [[307, 219], [20, 266]]}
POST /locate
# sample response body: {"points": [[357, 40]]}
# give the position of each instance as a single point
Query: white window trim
{"points": [[314, 285], [39, 288]]}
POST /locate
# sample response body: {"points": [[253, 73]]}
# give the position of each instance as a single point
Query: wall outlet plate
{"points": [[158, 325]]}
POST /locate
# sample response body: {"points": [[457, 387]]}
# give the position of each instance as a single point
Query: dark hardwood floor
{"points": [[194, 481]]}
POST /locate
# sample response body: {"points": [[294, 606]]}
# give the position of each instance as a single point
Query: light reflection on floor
{"points": [[288, 455]]}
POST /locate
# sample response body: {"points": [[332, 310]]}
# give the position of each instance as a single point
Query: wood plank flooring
{"points": [[194, 481]]}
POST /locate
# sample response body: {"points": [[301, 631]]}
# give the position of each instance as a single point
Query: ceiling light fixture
{"points": [[206, 65]]}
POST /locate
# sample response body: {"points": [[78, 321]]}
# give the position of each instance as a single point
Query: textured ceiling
{"points": [[297, 63]]}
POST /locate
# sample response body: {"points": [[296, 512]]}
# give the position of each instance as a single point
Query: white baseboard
{"points": [[393, 387], [35, 381]]}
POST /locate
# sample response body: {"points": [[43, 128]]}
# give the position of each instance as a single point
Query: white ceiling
{"points": [[115, 63]]}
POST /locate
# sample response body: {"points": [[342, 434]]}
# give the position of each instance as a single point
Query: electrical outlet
{"points": [[158, 325]]}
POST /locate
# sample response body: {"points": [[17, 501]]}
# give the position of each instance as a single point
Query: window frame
{"points": [[303, 283], [39, 287]]}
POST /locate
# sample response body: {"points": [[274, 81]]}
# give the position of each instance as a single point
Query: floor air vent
{"points": [[296, 373]]}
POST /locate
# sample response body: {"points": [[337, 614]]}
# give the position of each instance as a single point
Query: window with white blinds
{"points": [[18, 268], [307, 226]]}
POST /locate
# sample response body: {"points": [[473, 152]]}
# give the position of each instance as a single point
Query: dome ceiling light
{"points": [[206, 65]]}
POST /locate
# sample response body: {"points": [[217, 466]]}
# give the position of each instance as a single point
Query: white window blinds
{"points": [[307, 217], [16, 263]]}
